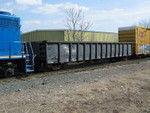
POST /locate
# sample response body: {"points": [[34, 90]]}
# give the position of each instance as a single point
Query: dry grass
{"points": [[129, 93]]}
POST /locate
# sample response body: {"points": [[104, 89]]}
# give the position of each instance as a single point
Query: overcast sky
{"points": [[106, 15]]}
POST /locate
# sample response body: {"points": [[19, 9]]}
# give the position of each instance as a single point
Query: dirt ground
{"points": [[127, 93]]}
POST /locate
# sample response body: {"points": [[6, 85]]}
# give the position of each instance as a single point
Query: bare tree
{"points": [[144, 23], [77, 24]]}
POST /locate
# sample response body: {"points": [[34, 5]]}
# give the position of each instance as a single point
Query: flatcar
{"points": [[15, 56]]}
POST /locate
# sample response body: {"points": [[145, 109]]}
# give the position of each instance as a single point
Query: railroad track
{"points": [[77, 67]]}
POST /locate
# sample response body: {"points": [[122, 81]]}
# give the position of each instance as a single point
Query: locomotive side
{"points": [[15, 56]]}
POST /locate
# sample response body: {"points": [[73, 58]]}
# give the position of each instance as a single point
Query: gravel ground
{"points": [[56, 81], [64, 90]]}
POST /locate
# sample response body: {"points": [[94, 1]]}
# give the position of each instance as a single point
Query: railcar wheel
{"points": [[9, 72], [2, 73], [55, 67], [7, 69]]}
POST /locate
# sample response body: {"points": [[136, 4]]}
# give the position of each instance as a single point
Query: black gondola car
{"points": [[56, 53]]}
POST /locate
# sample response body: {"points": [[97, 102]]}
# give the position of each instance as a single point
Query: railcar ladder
{"points": [[29, 57]]}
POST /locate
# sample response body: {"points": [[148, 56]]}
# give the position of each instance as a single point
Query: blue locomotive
{"points": [[15, 56]]}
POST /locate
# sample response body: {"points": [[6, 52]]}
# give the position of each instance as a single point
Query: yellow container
{"points": [[139, 36]]}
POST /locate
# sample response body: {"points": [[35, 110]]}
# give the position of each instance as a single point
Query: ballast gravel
{"points": [[67, 79]]}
